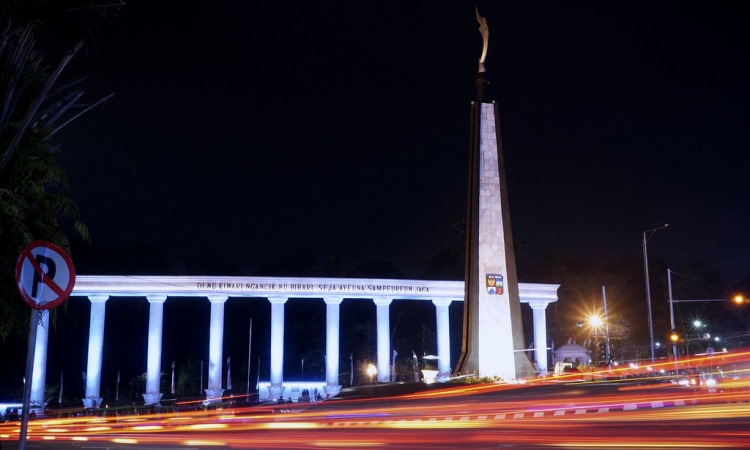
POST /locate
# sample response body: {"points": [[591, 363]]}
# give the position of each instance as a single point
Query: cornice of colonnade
{"points": [[265, 287], [537, 292], [292, 287]]}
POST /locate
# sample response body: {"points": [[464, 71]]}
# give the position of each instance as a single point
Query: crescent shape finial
{"points": [[485, 31]]}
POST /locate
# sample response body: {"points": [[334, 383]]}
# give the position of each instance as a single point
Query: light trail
{"points": [[596, 414]]}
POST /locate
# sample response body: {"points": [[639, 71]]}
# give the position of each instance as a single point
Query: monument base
{"points": [[92, 402], [429, 376], [331, 390], [525, 369], [275, 391], [151, 398], [214, 395], [37, 407]]}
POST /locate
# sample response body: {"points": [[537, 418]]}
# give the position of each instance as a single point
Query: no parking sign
{"points": [[45, 275]]}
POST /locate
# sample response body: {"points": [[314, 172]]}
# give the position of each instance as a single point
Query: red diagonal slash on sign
{"points": [[28, 268], [26, 253]]}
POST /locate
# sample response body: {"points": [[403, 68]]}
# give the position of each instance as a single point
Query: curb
{"points": [[522, 415]]}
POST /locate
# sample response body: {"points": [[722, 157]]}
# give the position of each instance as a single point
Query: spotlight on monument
{"points": [[371, 371]]}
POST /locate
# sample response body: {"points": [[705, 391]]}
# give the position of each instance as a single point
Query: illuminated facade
{"points": [[492, 328], [277, 290]]}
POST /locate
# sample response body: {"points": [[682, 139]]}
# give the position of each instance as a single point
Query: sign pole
{"points": [[45, 276], [34, 323]]}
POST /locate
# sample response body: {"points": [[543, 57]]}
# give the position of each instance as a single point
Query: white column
{"points": [[96, 346], [539, 308], [153, 362], [443, 337], [384, 338], [332, 386], [215, 347], [39, 374], [276, 389]]}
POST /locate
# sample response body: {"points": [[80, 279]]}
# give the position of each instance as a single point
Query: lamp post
{"points": [[697, 325], [646, 235], [595, 322], [738, 299], [675, 353], [606, 327]]}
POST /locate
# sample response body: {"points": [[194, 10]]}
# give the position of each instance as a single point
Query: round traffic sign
{"points": [[45, 275]]}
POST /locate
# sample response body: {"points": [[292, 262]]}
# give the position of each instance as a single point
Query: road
{"points": [[568, 415]]}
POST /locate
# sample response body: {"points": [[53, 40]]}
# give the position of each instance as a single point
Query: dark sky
{"points": [[253, 131]]}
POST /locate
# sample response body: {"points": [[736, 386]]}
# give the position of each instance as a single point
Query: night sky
{"points": [[250, 133], [247, 133]]}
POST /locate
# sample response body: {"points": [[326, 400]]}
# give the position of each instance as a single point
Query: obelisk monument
{"points": [[493, 342]]}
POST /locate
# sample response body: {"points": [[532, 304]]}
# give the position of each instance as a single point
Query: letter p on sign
{"points": [[45, 275]]}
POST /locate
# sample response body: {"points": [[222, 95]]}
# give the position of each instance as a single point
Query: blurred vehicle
{"points": [[12, 413]]}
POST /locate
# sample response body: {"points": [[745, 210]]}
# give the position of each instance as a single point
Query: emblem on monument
{"points": [[494, 284]]}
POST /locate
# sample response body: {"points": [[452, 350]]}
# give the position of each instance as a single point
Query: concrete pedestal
{"points": [[92, 402], [331, 390], [152, 398], [214, 395], [275, 391]]}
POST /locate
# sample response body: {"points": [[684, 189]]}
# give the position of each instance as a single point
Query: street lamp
{"points": [[738, 299], [697, 325], [595, 321], [648, 285], [371, 371]]}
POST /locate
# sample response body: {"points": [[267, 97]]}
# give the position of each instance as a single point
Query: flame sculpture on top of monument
{"points": [[485, 31], [493, 342]]}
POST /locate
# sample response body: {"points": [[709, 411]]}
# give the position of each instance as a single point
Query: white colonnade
{"points": [[158, 290], [153, 361], [96, 350], [215, 347], [383, 327], [443, 338], [277, 346], [40, 357], [333, 304]]}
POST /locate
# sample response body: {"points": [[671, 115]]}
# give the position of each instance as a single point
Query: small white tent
{"points": [[572, 353]]}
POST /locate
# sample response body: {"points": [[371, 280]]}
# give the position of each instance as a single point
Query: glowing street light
{"points": [[598, 322], [738, 299], [371, 371]]}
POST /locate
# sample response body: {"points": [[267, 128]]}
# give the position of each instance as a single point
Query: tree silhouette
{"points": [[35, 103]]}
